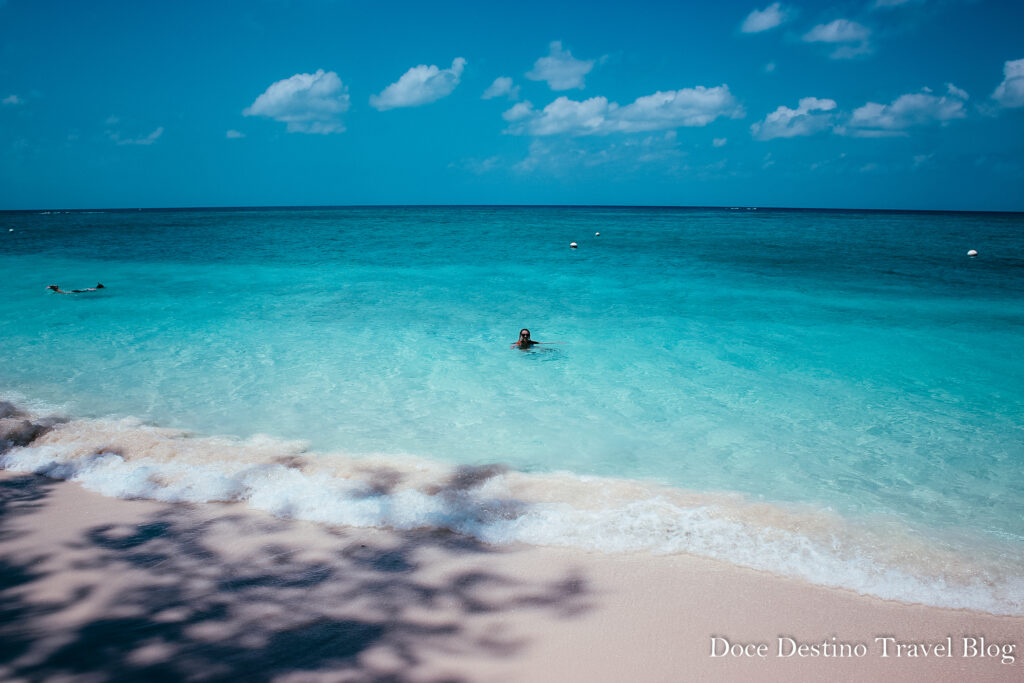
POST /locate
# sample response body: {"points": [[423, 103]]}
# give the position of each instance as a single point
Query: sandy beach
{"points": [[94, 588]]}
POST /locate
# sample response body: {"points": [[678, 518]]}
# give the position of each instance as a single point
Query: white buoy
{"points": [[972, 252], [597, 234], [10, 229], [572, 245]]}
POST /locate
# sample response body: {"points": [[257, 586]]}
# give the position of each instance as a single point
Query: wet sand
{"points": [[94, 588]]}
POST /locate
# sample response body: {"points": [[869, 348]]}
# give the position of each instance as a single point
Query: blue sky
{"points": [[868, 104]]}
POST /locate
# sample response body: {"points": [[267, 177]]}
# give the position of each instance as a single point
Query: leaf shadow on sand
{"points": [[165, 599]]}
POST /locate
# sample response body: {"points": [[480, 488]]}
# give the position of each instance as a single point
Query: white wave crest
{"points": [[126, 459]]}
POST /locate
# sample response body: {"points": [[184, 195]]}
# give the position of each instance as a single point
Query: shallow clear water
{"points": [[852, 362]]}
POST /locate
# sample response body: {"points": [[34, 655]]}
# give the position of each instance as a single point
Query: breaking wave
{"points": [[126, 458]]}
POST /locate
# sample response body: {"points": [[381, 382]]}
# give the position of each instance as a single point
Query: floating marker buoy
{"points": [[972, 252], [572, 245], [597, 234], [10, 229]]}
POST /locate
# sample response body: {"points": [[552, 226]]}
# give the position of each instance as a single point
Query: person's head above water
{"points": [[525, 342], [55, 288]]}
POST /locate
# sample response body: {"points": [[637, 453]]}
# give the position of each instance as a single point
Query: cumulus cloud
{"points": [[906, 111], [562, 116], [812, 115], [519, 111], [560, 69], [597, 116], [853, 38], [144, 140], [234, 134], [420, 85], [12, 100], [719, 142], [1010, 93], [502, 86], [765, 19], [308, 103]]}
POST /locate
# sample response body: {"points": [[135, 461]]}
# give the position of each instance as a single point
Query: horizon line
{"points": [[255, 207]]}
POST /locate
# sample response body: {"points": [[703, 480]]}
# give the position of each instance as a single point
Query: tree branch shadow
{"points": [[192, 609]]}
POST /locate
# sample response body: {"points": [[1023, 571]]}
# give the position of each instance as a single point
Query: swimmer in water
{"points": [[56, 288], [525, 342]]}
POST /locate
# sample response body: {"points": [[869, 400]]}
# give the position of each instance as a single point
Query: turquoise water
{"points": [[853, 363]]}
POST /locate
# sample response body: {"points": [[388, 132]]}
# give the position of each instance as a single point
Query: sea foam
{"points": [[126, 458]]}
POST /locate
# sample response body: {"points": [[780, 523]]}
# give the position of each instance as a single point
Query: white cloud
{"points": [[956, 92], [842, 31], [838, 31], [308, 103], [560, 69], [234, 134], [502, 85], [769, 67], [561, 116], [12, 100], [788, 123], [906, 111], [419, 85], [597, 116], [145, 140], [719, 142], [687, 107], [519, 111], [1010, 93], [767, 18]]}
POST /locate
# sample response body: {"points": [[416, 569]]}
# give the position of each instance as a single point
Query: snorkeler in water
{"points": [[525, 342], [56, 288]]}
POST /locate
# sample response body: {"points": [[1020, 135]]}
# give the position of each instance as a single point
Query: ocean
{"points": [[832, 395]]}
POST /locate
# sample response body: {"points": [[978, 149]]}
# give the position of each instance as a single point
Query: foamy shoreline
{"points": [[123, 458], [199, 591]]}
